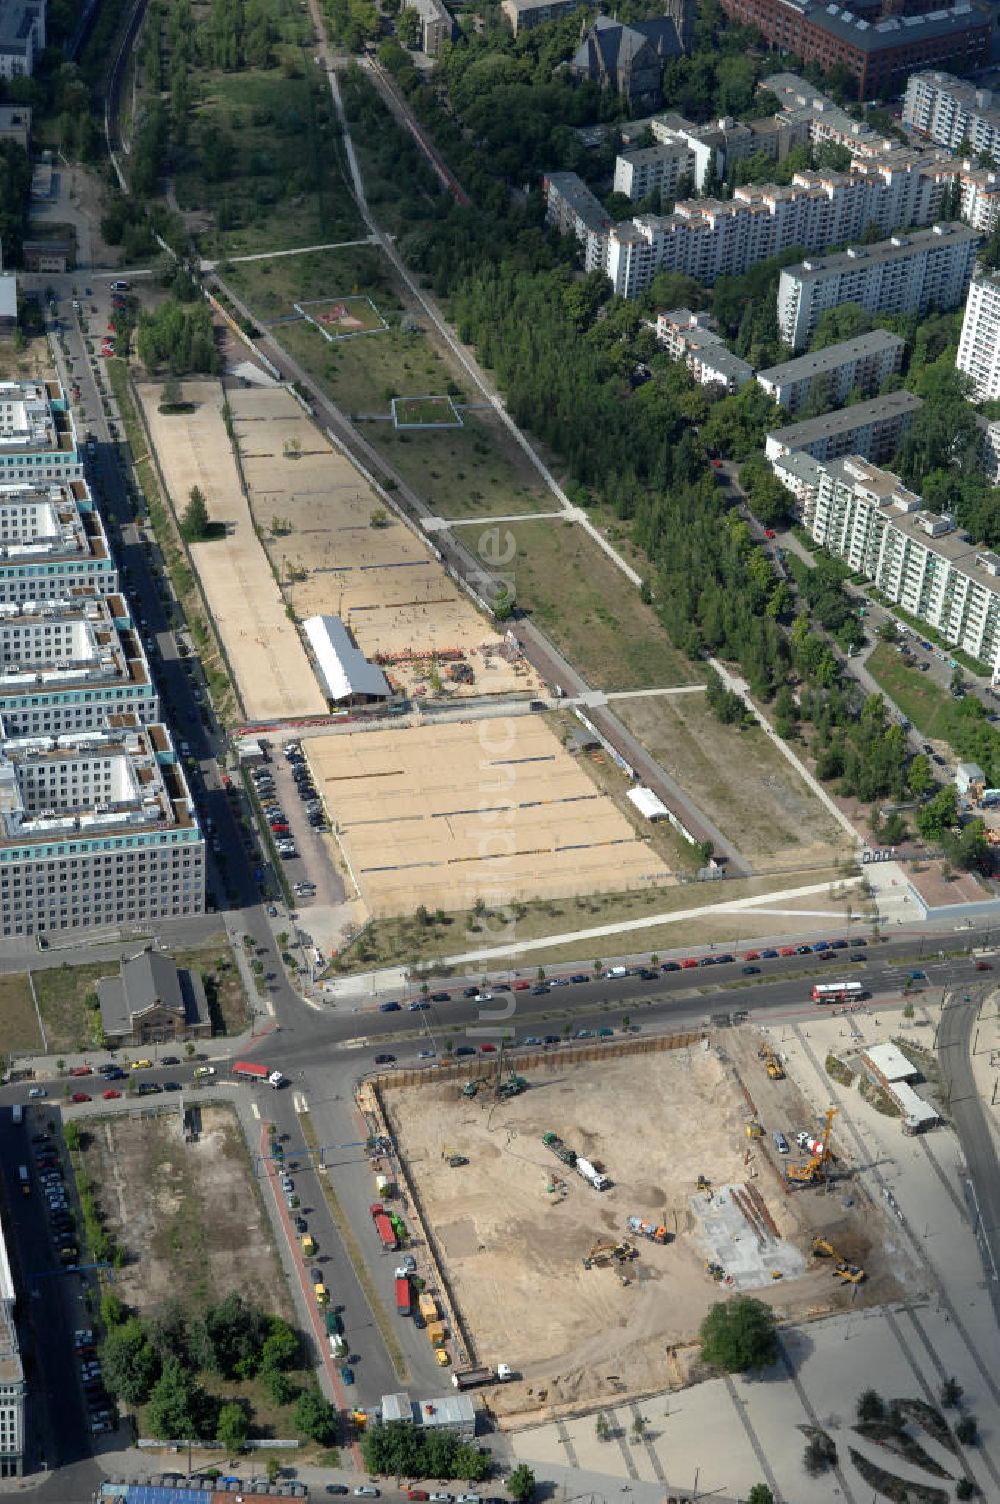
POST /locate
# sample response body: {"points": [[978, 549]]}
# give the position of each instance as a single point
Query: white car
{"points": [[203, 1070], [36, 1091], [366, 1491], [484, 997]]}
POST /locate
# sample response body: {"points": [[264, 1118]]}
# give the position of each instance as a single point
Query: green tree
{"points": [[233, 1427], [967, 1431], [281, 1349], [408, 28], [760, 1494], [112, 1310], [195, 523], [521, 1484], [870, 1405], [919, 776], [939, 815], [177, 1405], [602, 1427], [739, 1334], [951, 1393], [315, 1417], [965, 1489], [130, 1364]]}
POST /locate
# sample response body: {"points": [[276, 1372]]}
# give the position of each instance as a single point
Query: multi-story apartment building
{"points": [[37, 435], [68, 666], [523, 15], [989, 452], [979, 343], [97, 828], [879, 52], [821, 120], [572, 209], [871, 429], [22, 36], [437, 25], [832, 374], [950, 112], [53, 545], [12, 1385], [689, 337], [905, 274], [653, 169], [918, 560]]}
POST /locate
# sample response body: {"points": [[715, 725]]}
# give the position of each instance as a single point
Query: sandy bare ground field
{"points": [[315, 512], [755, 797], [180, 1210], [273, 673], [513, 1244], [442, 815]]}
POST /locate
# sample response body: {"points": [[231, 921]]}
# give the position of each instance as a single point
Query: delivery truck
{"points": [[247, 1070], [403, 1296], [471, 1378], [385, 1229]]}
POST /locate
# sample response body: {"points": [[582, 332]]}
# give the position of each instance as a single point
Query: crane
{"points": [[815, 1169]]}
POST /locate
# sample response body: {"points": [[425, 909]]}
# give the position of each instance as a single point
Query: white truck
{"points": [[591, 1175]]}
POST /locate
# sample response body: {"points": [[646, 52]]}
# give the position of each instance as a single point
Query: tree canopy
{"points": [[739, 1334]]}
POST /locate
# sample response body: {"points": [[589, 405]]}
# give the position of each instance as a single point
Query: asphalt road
{"points": [[954, 1040]]}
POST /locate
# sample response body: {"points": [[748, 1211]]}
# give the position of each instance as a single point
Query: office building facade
{"points": [[53, 545]]}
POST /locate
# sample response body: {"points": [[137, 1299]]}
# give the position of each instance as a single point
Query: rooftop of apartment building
{"points": [[89, 648], [640, 156], [29, 423], [585, 205], [800, 99], [844, 419], [143, 787], [50, 521], [17, 21], [984, 278], [897, 247], [890, 31], [832, 357], [971, 95], [800, 466]]}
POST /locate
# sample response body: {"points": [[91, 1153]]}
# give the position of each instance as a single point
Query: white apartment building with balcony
{"points": [[97, 830], [52, 544], [905, 274], [833, 373], [68, 666], [689, 337], [572, 209], [653, 169], [870, 429], [979, 343], [950, 110], [920, 561]]}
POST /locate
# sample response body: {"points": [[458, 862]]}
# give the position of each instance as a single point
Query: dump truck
{"points": [[386, 1232], [592, 1175], [403, 1296], [383, 1185], [647, 1229], [436, 1333], [559, 1149], [428, 1306], [471, 1378]]}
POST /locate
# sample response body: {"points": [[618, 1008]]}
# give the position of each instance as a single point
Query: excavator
{"points": [[852, 1273], [815, 1168], [603, 1253], [772, 1064]]}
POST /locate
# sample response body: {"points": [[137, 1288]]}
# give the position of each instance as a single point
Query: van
{"points": [[780, 1142], [24, 1179], [120, 286], [308, 1245]]}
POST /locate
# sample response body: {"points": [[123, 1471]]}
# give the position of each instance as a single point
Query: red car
{"points": [[752, 955], [488, 1049], [686, 965], [521, 986], [769, 532], [716, 464], [787, 950], [82, 1070], [79, 1096], [110, 1094], [983, 966], [418, 1494]]}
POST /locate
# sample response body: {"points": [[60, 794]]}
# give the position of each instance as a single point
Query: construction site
{"points": [[337, 549], [587, 1207]]}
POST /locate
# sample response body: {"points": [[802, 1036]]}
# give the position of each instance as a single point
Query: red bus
{"points": [[838, 992]]}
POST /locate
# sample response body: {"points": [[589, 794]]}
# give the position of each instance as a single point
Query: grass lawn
{"points": [[591, 611], [473, 471], [271, 287], [931, 710], [766, 810], [283, 184], [410, 943], [61, 991], [424, 410], [21, 1034]]}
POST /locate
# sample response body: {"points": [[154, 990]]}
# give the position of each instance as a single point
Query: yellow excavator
{"points": [[815, 1168], [603, 1253], [852, 1273], [772, 1064]]}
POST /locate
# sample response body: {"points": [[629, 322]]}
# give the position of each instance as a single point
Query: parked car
{"points": [[79, 1096]]}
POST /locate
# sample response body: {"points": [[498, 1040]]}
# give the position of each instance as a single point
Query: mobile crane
{"points": [[815, 1168]]}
